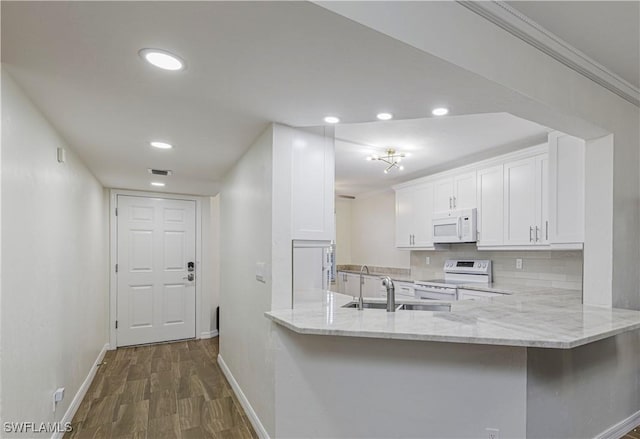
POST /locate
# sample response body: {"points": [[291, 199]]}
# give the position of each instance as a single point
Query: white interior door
{"points": [[156, 251]]}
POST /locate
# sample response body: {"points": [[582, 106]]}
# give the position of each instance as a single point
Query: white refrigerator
{"points": [[312, 265]]}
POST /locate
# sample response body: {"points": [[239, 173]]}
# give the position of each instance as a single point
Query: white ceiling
{"points": [[433, 144], [606, 31], [249, 63]]}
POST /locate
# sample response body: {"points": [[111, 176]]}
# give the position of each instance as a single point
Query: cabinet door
{"points": [[464, 191], [404, 217], [491, 206], [312, 187], [520, 202], [542, 200], [443, 195], [423, 208], [566, 189], [353, 285]]}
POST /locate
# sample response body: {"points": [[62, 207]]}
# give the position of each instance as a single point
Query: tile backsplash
{"points": [[558, 269]]}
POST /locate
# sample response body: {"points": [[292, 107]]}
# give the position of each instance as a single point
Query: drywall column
{"points": [[598, 245]]}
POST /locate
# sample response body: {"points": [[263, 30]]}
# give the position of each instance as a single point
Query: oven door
{"points": [[446, 230], [435, 293]]}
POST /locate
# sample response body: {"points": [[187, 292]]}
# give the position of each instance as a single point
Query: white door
{"points": [[443, 195], [490, 206], [542, 200], [404, 217], [156, 270], [520, 202], [464, 191], [423, 200]]}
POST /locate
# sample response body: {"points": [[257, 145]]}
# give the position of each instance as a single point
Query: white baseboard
{"points": [[82, 391], [621, 428], [209, 334], [253, 417]]}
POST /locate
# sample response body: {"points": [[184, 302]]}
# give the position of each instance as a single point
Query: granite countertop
{"points": [[528, 317]]}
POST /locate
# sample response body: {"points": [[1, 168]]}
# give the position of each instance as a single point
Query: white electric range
{"points": [[456, 272]]}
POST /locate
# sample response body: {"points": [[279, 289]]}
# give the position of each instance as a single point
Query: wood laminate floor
{"points": [[172, 390], [633, 434]]}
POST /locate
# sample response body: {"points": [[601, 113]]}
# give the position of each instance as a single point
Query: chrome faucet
{"points": [[360, 300], [391, 293]]}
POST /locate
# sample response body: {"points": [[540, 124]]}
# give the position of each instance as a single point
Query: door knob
{"points": [[189, 277]]}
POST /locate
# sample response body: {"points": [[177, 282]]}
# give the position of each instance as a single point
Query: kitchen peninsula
{"points": [[534, 363]]}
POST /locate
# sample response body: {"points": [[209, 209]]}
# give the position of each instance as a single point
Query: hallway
{"points": [[173, 390]]}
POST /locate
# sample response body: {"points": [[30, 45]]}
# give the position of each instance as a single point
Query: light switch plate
{"points": [[427, 260], [519, 264], [260, 272]]}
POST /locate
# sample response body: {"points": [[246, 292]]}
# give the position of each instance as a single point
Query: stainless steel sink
{"points": [[425, 307], [403, 307], [367, 305]]}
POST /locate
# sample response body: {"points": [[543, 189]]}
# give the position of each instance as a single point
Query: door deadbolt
{"points": [[191, 266]]}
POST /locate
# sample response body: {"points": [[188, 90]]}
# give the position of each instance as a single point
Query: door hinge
{"points": [[116, 211], [116, 268], [116, 324]]}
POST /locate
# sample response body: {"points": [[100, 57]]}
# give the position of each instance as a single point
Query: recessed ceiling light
{"points": [[162, 59], [161, 145], [385, 116], [440, 111], [332, 119], [157, 183]]}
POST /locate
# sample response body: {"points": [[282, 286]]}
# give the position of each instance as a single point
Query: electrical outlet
{"points": [[492, 433], [427, 260], [519, 264], [58, 396], [260, 272]]}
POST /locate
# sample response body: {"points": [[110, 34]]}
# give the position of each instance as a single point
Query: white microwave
{"points": [[454, 226]]}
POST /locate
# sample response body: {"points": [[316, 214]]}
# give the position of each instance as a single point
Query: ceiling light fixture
{"points": [[332, 119], [385, 116], [157, 183], [161, 145], [440, 111], [162, 59], [393, 158]]}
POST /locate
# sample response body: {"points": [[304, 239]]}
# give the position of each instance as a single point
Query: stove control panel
{"points": [[468, 266]]}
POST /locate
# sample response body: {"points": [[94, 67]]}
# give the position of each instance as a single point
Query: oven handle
{"points": [[459, 227]]}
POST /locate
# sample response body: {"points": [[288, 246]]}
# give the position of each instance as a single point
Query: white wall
{"points": [[343, 231], [245, 239], [373, 231], [210, 267], [349, 387], [54, 283]]}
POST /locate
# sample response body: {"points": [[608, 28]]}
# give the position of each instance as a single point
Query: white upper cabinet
{"points": [[414, 210], [525, 201], [464, 191], [312, 188], [566, 194], [490, 206], [458, 192]]}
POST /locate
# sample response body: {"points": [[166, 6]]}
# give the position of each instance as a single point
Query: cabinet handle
{"points": [[455, 202], [450, 203], [530, 233], [537, 234], [546, 230]]}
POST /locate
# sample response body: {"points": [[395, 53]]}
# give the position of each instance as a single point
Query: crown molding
{"points": [[521, 26]]}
